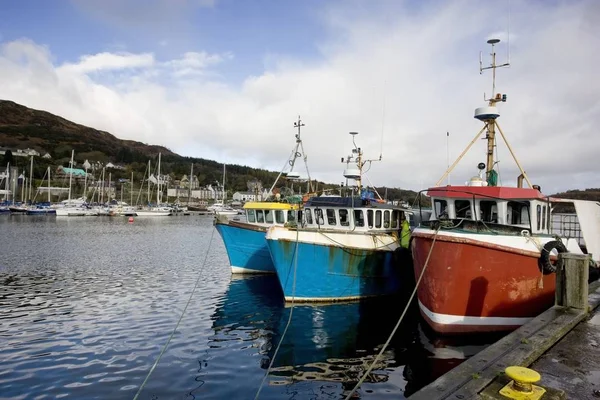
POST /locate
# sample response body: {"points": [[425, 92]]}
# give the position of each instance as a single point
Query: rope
{"points": [[287, 325], [178, 322], [387, 342]]}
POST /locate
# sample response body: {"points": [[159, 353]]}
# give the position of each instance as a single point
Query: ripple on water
{"points": [[86, 306]]}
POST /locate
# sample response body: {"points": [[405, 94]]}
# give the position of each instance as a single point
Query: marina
{"points": [[129, 271]]}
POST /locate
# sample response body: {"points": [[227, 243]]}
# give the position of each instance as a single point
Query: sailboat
{"points": [[221, 209], [487, 253], [73, 208], [158, 210], [42, 208]]}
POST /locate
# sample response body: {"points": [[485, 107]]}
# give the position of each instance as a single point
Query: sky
{"points": [[226, 80]]}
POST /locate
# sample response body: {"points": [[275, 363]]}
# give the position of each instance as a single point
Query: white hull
{"points": [[153, 213], [357, 240]]}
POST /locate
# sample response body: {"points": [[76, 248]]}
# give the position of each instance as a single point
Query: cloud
{"points": [[111, 61], [400, 76]]}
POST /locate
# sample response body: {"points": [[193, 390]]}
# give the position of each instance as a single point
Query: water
{"points": [[86, 305]]}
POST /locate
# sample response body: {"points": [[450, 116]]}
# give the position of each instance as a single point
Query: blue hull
{"points": [[246, 248], [330, 273]]}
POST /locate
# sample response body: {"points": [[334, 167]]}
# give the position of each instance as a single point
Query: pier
{"points": [[562, 345]]}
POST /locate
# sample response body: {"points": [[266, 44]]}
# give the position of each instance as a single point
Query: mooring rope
{"points": [[387, 342], [287, 325], [180, 318]]}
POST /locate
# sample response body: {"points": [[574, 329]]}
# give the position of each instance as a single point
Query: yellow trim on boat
{"points": [[270, 205]]}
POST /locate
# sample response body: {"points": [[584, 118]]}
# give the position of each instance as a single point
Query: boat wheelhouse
{"points": [[245, 240], [344, 248], [487, 253]]}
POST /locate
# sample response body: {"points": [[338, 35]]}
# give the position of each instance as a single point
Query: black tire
{"points": [[544, 261]]}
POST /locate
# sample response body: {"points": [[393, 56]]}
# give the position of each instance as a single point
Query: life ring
{"points": [[544, 260]]}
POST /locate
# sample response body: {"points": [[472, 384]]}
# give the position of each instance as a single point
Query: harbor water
{"points": [[87, 304]]}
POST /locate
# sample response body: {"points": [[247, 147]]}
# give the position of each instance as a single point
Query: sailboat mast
{"points": [[30, 176], [71, 174], [131, 189], [190, 185], [48, 184], [223, 184], [109, 191], [148, 181], [158, 180]]}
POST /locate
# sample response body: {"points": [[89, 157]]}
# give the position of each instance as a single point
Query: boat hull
{"points": [[480, 283], [329, 269], [246, 248]]}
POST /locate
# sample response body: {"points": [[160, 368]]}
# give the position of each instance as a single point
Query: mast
{"points": [[356, 157], [6, 181], [158, 180], [292, 159], [48, 184], [71, 174], [131, 189], [102, 186], [190, 186], [489, 116], [109, 192], [148, 181], [223, 183], [30, 177]]}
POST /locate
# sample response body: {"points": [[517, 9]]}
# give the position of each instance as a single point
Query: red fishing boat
{"points": [[488, 252]]}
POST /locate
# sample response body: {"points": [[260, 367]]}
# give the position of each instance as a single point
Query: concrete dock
{"points": [[562, 345]]}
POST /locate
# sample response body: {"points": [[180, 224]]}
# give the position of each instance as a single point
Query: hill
{"points": [[22, 127]]}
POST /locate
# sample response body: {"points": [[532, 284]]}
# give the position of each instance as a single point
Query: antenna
{"points": [[298, 125], [492, 66]]}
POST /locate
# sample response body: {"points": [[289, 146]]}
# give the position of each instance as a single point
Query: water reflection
{"points": [[332, 343]]}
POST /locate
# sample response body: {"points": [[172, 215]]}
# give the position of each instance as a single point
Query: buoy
{"points": [[130, 219], [522, 384]]}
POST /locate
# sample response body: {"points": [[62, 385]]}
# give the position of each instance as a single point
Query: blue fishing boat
{"points": [[344, 248], [245, 240]]}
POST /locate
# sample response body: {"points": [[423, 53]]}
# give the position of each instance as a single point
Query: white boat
{"points": [[70, 207]]}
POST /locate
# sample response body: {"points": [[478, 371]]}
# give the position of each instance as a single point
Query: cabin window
{"points": [[251, 216], [370, 218], [517, 213], [260, 217], [488, 211], [539, 216], [308, 215], [331, 220], [269, 216], [543, 217], [463, 209], [386, 219], [344, 221], [291, 216], [279, 217], [319, 217], [299, 215], [441, 208], [395, 218], [359, 218], [378, 219]]}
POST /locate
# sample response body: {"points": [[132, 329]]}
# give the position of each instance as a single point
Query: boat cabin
{"points": [[272, 213], [352, 214], [519, 207]]}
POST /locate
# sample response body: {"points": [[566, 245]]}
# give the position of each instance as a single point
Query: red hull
{"points": [[474, 286]]}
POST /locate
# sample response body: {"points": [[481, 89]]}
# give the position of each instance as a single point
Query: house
{"points": [[20, 152], [114, 166], [78, 174], [244, 196], [47, 156]]}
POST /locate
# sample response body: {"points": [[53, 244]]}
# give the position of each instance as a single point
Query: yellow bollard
{"points": [[522, 387]]}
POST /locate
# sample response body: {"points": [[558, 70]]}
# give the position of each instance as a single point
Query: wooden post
{"points": [[572, 281]]}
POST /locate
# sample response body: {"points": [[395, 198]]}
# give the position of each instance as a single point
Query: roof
{"points": [[270, 205], [494, 192], [74, 171]]}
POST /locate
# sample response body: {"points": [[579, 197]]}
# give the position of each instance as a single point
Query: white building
{"points": [[245, 196]]}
